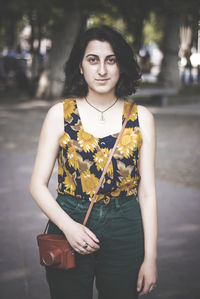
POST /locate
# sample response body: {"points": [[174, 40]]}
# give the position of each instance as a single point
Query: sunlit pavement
{"points": [[178, 194]]}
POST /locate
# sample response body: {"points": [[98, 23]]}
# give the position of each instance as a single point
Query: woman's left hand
{"points": [[147, 277]]}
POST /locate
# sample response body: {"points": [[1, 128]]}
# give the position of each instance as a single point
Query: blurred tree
{"points": [[173, 15], [169, 75], [58, 20], [66, 23], [170, 14], [153, 29], [134, 12], [107, 18], [10, 15], [62, 21]]}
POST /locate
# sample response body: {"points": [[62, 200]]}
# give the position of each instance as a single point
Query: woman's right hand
{"points": [[78, 235]]}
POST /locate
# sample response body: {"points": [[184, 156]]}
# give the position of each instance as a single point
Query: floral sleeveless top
{"points": [[82, 157]]}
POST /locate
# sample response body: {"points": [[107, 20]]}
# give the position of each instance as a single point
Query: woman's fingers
{"points": [[91, 239], [83, 250], [146, 289], [89, 249], [79, 235], [143, 286], [91, 235], [139, 282], [91, 245], [80, 249], [147, 278], [87, 240]]}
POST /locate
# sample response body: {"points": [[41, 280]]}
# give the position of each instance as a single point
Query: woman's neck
{"points": [[101, 100]]}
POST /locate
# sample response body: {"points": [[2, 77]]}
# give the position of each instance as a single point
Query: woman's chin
{"points": [[103, 90]]}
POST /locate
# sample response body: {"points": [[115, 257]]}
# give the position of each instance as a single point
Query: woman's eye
{"points": [[111, 60], [92, 60]]}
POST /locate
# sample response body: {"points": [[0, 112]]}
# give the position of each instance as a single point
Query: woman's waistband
{"points": [[104, 201]]}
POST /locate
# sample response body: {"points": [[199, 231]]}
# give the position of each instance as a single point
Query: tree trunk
{"points": [[169, 75], [34, 52], [11, 36], [135, 27], [52, 80]]}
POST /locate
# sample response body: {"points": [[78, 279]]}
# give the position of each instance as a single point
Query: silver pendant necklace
{"points": [[102, 118]]}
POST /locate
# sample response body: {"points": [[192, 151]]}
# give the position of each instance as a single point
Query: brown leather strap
{"points": [[106, 166], [46, 227]]}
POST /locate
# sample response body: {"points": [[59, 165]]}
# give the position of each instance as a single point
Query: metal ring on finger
{"points": [[81, 250], [151, 288], [85, 246]]}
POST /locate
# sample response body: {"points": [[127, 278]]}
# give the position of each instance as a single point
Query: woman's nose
{"points": [[102, 69]]}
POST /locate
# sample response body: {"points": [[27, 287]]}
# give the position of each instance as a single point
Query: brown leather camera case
{"points": [[55, 251]]}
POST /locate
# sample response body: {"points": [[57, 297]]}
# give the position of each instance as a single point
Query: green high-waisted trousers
{"points": [[115, 266]]}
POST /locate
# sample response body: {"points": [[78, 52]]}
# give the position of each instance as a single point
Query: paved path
{"points": [[178, 193]]}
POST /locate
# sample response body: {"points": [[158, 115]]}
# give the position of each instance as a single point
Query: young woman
{"points": [[118, 247]]}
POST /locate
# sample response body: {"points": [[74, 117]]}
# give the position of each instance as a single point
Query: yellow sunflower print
{"points": [[78, 171], [72, 157], [133, 115], [87, 141], [69, 183], [64, 139], [89, 182], [69, 106], [128, 183], [139, 136], [128, 142], [132, 191], [60, 168], [99, 197], [116, 192], [101, 158]]}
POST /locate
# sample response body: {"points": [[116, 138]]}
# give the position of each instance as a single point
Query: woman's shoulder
{"points": [[54, 119], [145, 116], [144, 112], [56, 110], [61, 109]]}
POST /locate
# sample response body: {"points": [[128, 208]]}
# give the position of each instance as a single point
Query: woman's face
{"points": [[99, 67]]}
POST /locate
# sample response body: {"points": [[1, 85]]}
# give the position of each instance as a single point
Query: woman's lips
{"points": [[102, 80]]}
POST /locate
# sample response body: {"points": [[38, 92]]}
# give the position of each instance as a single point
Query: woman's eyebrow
{"points": [[111, 55], [92, 55]]}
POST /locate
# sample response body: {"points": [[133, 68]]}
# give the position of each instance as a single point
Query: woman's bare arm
{"points": [[44, 163], [147, 194], [147, 186], [47, 153]]}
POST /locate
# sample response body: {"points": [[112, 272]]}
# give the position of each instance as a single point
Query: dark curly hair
{"points": [[75, 84]]}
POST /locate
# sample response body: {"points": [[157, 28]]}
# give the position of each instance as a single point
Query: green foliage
{"points": [[123, 15], [106, 19], [115, 21], [153, 29]]}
